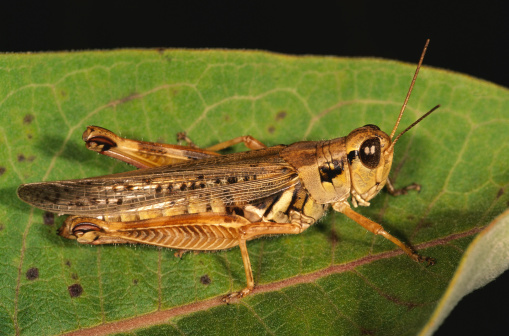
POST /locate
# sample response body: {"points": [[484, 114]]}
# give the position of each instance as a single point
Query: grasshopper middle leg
{"points": [[377, 229]]}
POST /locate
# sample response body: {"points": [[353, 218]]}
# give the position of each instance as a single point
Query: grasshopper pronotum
{"points": [[187, 198]]}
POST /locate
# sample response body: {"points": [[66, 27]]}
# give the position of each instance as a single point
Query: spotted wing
{"points": [[233, 179]]}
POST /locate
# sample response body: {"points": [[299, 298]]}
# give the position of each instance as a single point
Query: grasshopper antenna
{"points": [[413, 124], [410, 90], [391, 147]]}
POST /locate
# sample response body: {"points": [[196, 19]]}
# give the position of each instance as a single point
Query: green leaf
{"points": [[335, 278], [485, 259]]}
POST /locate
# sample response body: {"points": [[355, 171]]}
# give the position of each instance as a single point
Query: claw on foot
{"points": [[404, 191], [422, 259], [182, 137], [237, 295]]}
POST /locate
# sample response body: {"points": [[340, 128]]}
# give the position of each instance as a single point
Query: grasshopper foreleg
{"points": [[402, 191]]}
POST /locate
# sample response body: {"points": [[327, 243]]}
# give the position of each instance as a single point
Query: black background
{"points": [[465, 37]]}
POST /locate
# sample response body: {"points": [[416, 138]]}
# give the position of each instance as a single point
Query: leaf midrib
{"points": [[163, 316]]}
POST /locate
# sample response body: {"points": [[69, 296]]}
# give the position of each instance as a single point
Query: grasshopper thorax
{"points": [[369, 154]]}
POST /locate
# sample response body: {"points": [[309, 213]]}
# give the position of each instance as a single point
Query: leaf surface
{"points": [[333, 279]]}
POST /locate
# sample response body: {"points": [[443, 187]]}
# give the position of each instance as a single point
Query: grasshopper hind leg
{"points": [[247, 140]]}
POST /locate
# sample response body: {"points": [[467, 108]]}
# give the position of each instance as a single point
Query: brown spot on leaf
{"points": [[334, 237], [127, 98], [500, 193], [75, 290], [2, 170], [425, 224], [74, 276], [226, 117], [28, 119], [29, 136], [135, 281], [271, 129], [63, 93], [22, 158], [32, 273], [1, 226], [68, 263], [48, 218], [280, 115], [205, 279]]}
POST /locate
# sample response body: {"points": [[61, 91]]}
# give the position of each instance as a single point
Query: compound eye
{"points": [[375, 127], [83, 228], [369, 153]]}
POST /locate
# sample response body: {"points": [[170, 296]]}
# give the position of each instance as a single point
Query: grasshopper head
{"points": [[370, 151], [369, 154]]}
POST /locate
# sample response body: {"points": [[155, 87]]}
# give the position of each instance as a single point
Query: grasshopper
{"points": [[187, 198]]}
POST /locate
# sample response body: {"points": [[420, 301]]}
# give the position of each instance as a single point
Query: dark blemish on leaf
{"points": [[500, 192], [75, 290], [28, 119], [32, 273], [127, 98], [281, 115], [22, 158], [74, 276], [63, 93], [271, 129], [48, 218], [334, 237], [2, 170], [160, 51], [205, 279], [1, 226], [226, 117], [29, 136], [135, 281], [367, 332], [174, 92], [68, 263], [426, 224]]}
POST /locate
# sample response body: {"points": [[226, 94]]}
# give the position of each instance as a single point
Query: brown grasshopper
{"points": [[187, 198]]}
